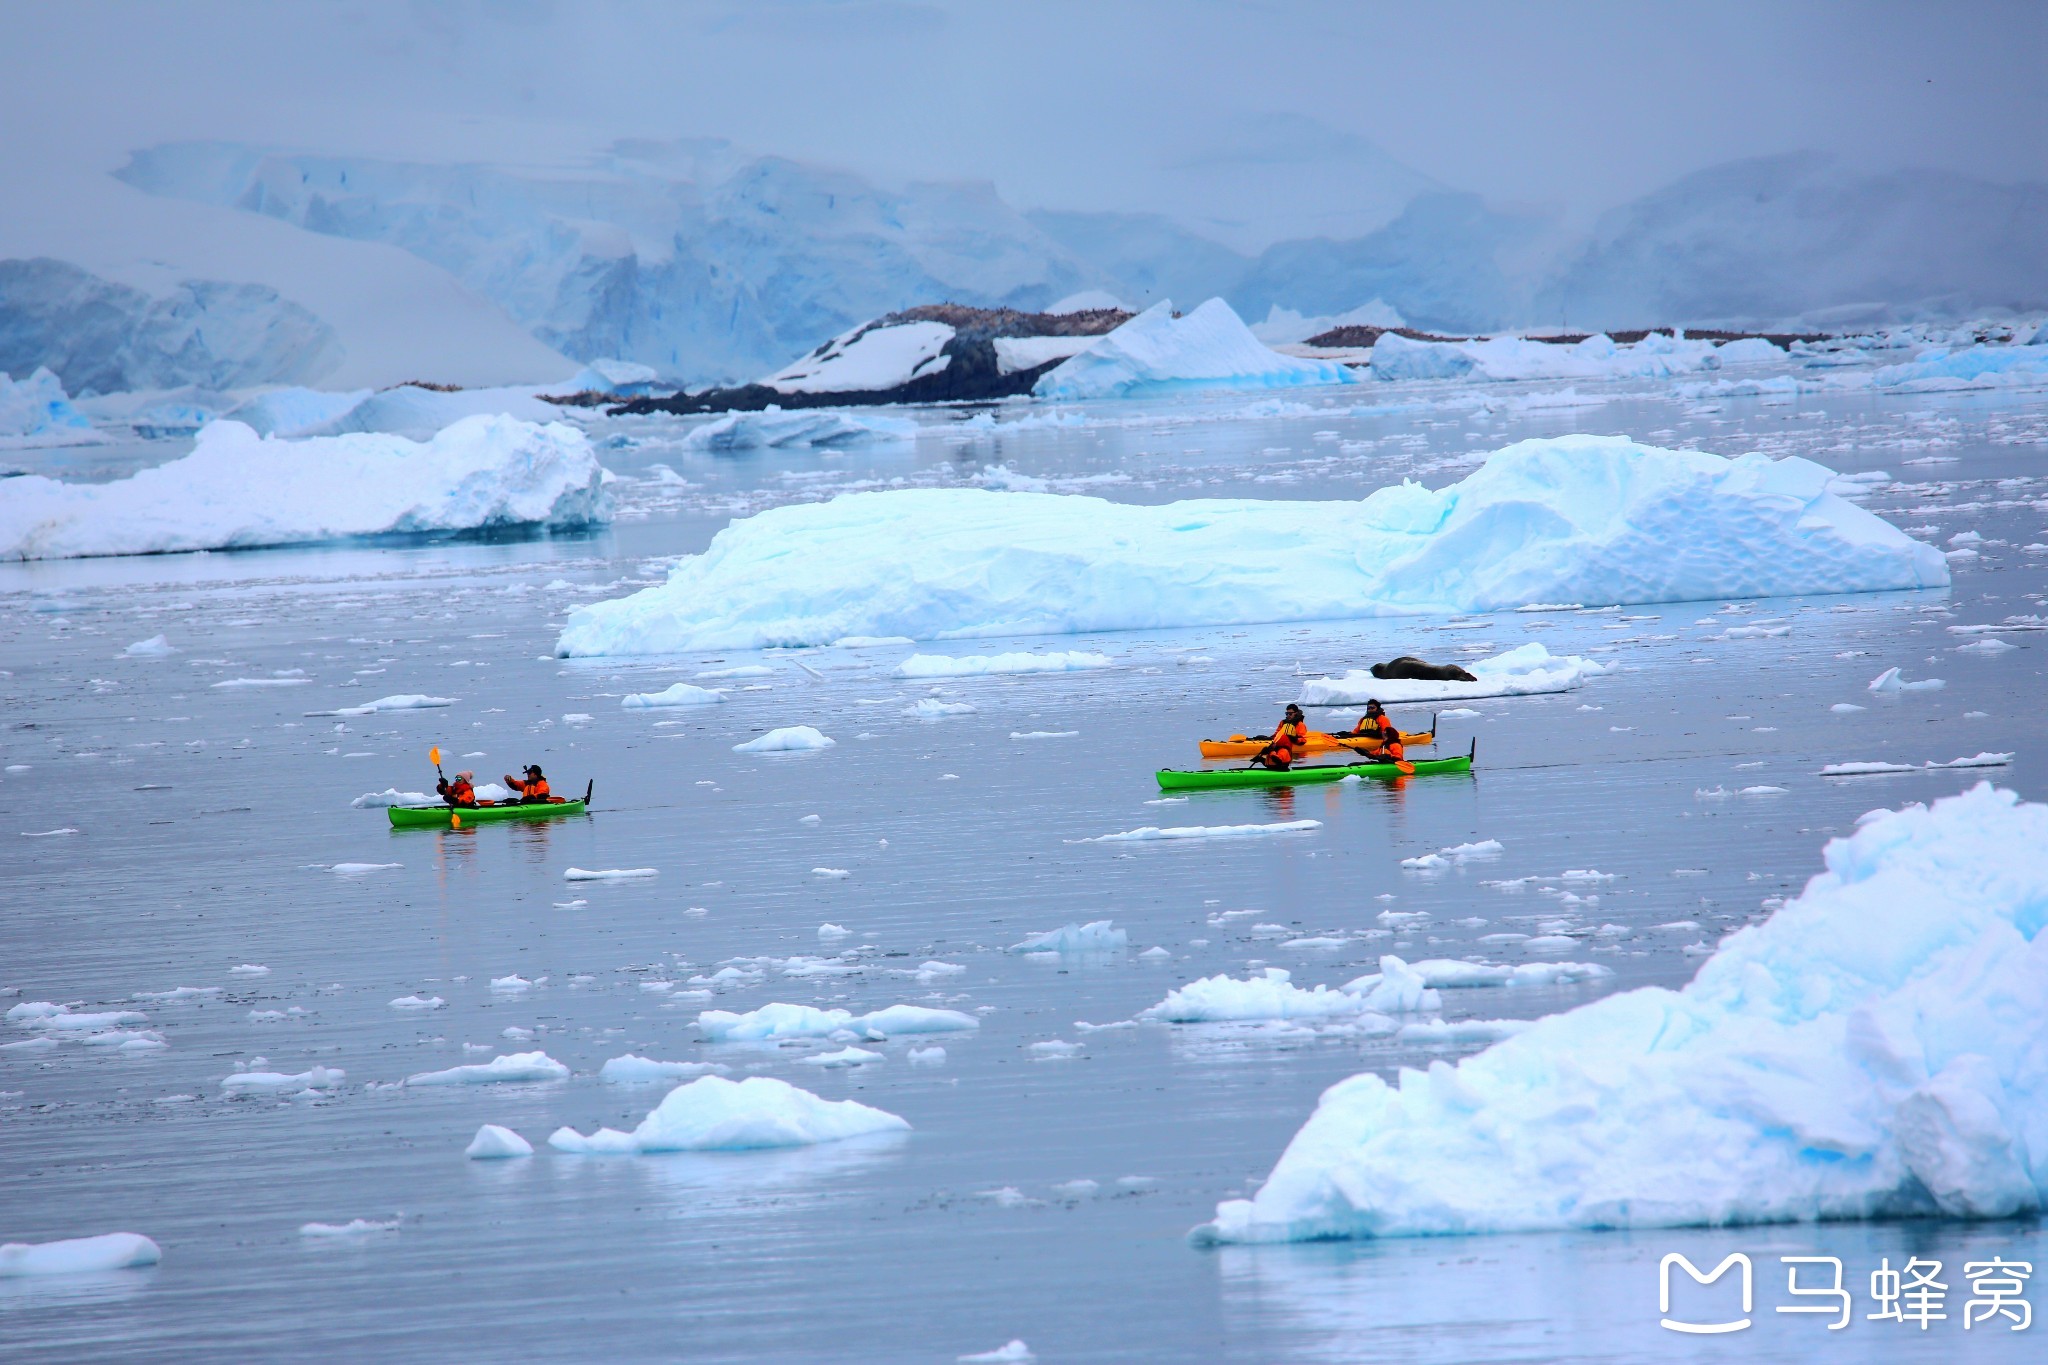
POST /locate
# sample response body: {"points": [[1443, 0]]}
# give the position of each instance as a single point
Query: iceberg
{"points": [[776, 430], [1596, 520], [1873, 1050], [714, 1114], [777, 1021], [37, 412], [238, 490], [1508, 358], [78, 1255], [1977, 367], [1156, 352], [296, 411], [1519, 672]]}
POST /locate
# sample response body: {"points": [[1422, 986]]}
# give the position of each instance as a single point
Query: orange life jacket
{"points": [[1390, 746], [461, 793], [1290, 739], [534, 790]]}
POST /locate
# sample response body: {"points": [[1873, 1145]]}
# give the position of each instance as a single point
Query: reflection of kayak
{"points": [[1319, 742], [1182, 779], [437, 817]]}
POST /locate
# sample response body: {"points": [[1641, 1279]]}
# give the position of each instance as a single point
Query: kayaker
{"points": [[1289, 742], [533, 788], [1390, 750], [1371, 725], [461, 792]]}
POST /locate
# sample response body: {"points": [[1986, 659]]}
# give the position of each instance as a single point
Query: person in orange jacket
{"points": [[531, 789], [1289, 742], [461, 792]]}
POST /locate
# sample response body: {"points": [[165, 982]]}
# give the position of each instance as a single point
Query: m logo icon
{"points": [[1704, 1328]]}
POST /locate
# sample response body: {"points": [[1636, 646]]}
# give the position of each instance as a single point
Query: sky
{"points": [[1255, 121]]}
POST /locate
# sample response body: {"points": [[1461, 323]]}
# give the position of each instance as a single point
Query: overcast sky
{"points": [[1269, 119]]}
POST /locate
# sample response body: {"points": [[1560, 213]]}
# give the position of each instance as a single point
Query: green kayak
{"points": [[1211, 779], [439, 817]]}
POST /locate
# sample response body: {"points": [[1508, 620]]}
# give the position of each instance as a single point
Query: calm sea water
{"points": [[207, 818]]}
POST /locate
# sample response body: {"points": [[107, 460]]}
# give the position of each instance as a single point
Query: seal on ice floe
{"points": [[1408, 666]]}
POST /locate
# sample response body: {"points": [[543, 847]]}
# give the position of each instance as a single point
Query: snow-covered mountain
{"points": [[218, 265], [102, 337], [688, 256], [1802, 236]]}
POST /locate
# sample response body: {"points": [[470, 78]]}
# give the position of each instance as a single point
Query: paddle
{"points": [[434, 757]]}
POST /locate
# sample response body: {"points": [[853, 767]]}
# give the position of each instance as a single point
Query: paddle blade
{"points": [[434, 755], [455, 820], [1405, 768]]}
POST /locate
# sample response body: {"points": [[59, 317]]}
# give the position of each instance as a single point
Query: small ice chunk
{"points": [[361, 869], [249, 969], [714, 1114], [355, 1227], [1155, 952], [1152, 832], [830, 930], [845, 1056], [78, 1255], [319, 1078], [492, 1142], [418, 1002], [788, 739], [676, 694], [926, 1056], [1013, 1352], [632, 1070], [1053, 1049], [831, 873], [608, 874], [510, 985], [1097, 936]]}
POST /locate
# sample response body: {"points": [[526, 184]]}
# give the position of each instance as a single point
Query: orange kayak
{"points": [[1319, 742]]}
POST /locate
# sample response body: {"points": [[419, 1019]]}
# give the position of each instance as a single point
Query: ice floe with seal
{"points": [[1594, 519], [715, 1114], [239, 490], [1527, 670], [775, 429], [1870, 1051], [1156, 353]]}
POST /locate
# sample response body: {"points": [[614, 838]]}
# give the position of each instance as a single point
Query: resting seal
{"points": [[1408, 666]]}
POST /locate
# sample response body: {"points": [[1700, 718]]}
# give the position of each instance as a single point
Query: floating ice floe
{"points": [[1870, 1051], [517, 1066], [155, 647], [1891, 680], [972, 665], [931, 708], [480, 472], [1097, 936], [787, 739], [714, 1114], [418, 1002], [632, 1070], [493, 1143], [316, 1079], [361, 869], [775, 429], [1596, 519], [408, 701], [78, 1255], [354, 1227], [1156, 352], [1524, 671], [1980, 760], [608, 874], [777, 1021], [44, 1016], [1269, 994], [675, 694], [845, 1056], [391, 796], [1656, 356], [1153, 832], [1012, 1352]]}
